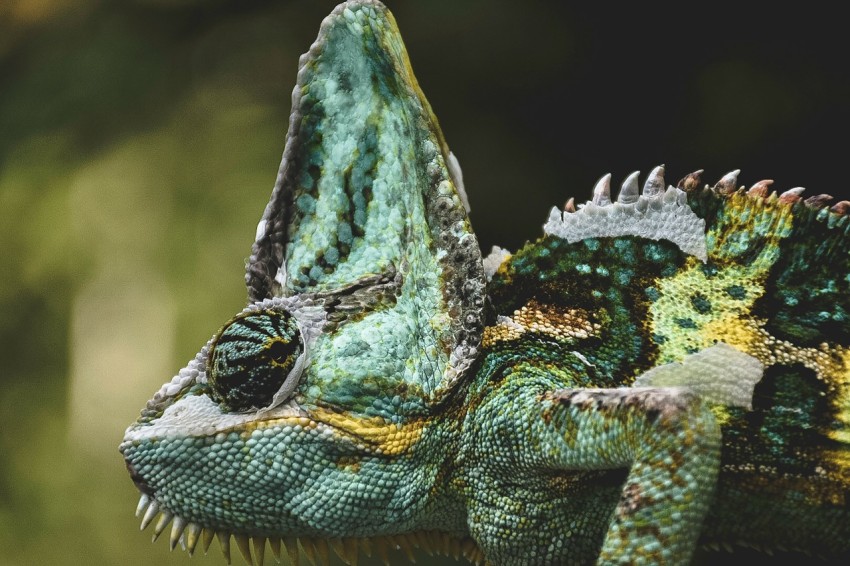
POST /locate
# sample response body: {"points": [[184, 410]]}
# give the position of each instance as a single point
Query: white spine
{"points": [[665, 216]]}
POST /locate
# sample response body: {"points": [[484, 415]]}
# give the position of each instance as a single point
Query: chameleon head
{"points": [[236, 444], [308, 414], [224, 422]]}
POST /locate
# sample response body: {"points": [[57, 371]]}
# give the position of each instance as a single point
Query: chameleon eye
{"points": [[251, 358]]}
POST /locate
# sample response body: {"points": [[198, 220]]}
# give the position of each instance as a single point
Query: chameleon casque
{"points": [[660, 371]]}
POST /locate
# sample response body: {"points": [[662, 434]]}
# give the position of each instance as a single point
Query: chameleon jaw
{"points": [[317, 550], [355, 447]]}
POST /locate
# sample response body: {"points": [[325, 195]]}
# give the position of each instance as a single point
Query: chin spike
{"points": [[274, 544], [176, 531], [308, 547], [150, 514], [244, 548], [259, 549], [208, 536], [164, 519], [338, 548], [144, 501], [193, 535], [380, 545], [224, 543], [423, 541], [291, 545], [403, 543], [351, 549]]}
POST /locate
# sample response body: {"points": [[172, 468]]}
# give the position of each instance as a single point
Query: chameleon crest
{"points": [[661, 370]]}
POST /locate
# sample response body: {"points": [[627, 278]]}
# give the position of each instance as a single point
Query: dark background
{"points": [[139, 141]]}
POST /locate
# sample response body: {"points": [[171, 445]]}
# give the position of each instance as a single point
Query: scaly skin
{"points": [[663, 371]]}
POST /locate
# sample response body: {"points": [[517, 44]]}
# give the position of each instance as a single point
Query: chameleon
{"points": [[662, 370]]}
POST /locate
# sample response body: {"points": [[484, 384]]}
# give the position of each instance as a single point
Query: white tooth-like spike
{"points": [[311, 551], [352, 550], [664, 216], [224, 542], [164, 519], [691, 182], [654, 183], [791, 195], [629, 192], [244, 546], [208, 538], [274, 544], [193, 535], [336, 545], [151, 512], [144, 501], [259, 550], [176, 531], [729, 182], [602, 191]]}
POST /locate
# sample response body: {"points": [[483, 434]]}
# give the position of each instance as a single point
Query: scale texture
{"points": [[664, 369]]}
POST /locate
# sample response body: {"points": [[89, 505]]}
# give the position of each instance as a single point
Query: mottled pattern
{"points": [[663, 369], [364, 189]]}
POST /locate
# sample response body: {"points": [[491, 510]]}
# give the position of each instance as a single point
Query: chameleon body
{"points": [[662, 371]]}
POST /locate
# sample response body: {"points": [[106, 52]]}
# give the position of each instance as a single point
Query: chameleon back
{"points": [[773, 285]]}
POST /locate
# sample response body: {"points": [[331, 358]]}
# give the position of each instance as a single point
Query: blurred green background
{"points": [[139, 142]]}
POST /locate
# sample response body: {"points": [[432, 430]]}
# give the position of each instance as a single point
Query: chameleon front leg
{"points": [[666, 438], [670, 441]]}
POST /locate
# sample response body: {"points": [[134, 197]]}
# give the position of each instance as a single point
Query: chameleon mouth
{"points": [[317, 550]]}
